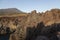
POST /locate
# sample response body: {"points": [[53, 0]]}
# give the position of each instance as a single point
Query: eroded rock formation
{"points": [[13, 26]]}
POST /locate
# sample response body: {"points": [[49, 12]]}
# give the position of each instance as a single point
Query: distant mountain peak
{"points": [[10, 10]]}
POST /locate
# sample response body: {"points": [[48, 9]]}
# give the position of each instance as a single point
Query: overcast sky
{"points": [[29, 5]]}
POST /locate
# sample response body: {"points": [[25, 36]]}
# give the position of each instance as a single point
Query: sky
{"points": [[29, 5]]}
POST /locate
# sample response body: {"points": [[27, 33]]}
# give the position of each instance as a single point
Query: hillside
{"points": [[10, 12], [30, 19], [19, 21]]}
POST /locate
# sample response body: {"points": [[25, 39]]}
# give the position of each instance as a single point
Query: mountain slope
{"points": [[10, 11]]}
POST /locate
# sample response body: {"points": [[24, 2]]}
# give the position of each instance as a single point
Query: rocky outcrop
{"points": [[15, 25]]}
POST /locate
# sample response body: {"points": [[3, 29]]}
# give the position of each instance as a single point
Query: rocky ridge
{"points": [[20, 21]]}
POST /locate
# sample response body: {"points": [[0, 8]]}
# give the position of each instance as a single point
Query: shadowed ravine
{"points": [[5, 37], [42, 32], [5, 33]]}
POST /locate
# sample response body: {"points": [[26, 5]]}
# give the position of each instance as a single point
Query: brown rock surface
{"points": [[19, 22]]}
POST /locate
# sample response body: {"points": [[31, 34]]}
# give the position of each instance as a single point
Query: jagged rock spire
{"points": [[34, 12]]}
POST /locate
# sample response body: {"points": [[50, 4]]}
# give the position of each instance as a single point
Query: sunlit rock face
{"points": [[6, 26], [11, 28]]}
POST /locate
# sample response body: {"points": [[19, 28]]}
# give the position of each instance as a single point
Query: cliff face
{"points": [[52, 16], [48, 17], [18, 22]]}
